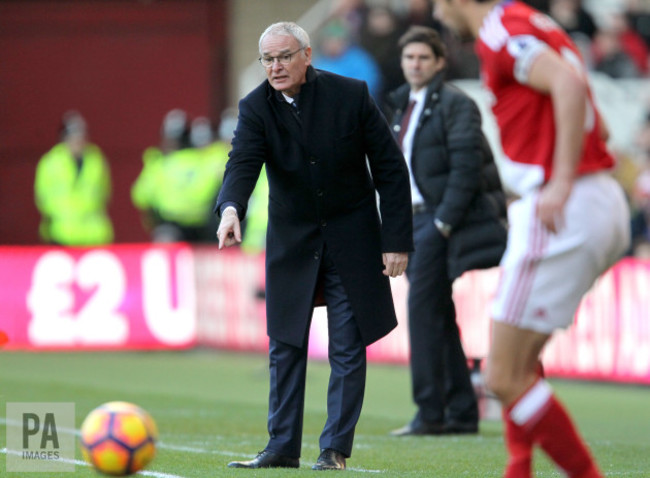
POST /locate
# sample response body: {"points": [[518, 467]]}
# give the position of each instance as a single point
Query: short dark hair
{"points": [[429, 36]]}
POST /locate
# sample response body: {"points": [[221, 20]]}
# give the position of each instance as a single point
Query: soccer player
{"points": [[569, 224]]}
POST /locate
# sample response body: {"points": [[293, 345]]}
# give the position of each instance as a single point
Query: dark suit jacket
{"points": [[322, 191], [455, 172]]}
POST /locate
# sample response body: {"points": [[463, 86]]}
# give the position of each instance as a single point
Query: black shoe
{"points": [[267, 459], [330, 460], [461, 428], [419, 428]]}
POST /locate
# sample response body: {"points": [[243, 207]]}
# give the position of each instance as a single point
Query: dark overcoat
{"points": [[323, 191], [455, 172]]}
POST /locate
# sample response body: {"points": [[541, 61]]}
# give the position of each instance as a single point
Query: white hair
{"points": [[286, 29]]}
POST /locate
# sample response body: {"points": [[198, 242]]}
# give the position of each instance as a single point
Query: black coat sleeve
{"points": [[391, 179], [462, 125], [245, 161]]}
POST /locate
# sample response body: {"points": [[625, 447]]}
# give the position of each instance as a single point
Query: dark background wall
{"points": [[123, 64]]}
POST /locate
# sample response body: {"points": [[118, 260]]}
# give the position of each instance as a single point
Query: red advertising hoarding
{"points": [[177, 296], [113, 297]]}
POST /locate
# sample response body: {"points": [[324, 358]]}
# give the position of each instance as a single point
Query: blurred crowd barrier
{"points": [[180, 296]]}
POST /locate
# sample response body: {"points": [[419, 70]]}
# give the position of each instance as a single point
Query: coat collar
{"points": [[311, 76], [398, 99], [297, 128]]}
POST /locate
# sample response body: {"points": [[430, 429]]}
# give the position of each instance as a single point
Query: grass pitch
{"points": [[211, 407]]}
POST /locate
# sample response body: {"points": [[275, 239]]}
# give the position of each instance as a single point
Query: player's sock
{"points": [[518, 444], [520, 449], [546, 422]]}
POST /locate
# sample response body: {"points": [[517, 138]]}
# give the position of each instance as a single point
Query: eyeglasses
{"points": [[284, 59]]}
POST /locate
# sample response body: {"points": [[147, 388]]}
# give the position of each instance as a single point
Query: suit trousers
{"points": [[288, 367], [442, 389]]}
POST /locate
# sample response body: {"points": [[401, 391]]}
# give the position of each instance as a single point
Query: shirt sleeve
{"points": [[524, 49], [234, 204]]}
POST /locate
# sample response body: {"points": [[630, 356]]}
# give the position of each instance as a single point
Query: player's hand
{"points": [[229, 231], [395, 263], [551, 202]]}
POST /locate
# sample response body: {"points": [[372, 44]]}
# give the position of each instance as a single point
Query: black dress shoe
{"points": [[267, 459], [461, 428], [419, 428], [330, 460]]}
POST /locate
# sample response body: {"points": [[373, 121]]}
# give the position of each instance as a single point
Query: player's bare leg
{"points": [[511, 370], [532, 414]]}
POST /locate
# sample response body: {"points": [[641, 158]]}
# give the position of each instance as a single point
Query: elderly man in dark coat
{"points": [[328, 152]]}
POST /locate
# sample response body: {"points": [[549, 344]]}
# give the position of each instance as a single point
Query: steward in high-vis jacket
{"points": [[187, 184], [72, 189], [178, 188]]}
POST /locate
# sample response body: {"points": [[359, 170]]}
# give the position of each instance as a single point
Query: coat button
{"points": [[319, 192], [323, 223], [316, 255], [313, 160]]}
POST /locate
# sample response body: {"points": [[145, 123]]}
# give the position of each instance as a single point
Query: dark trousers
{"points": [[442, 388], [288, 367]]}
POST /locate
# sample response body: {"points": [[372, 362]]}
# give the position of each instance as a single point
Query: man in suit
{"points": [[313, 131], [459, 216]]}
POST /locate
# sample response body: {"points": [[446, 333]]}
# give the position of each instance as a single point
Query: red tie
{"points": [[405, 121]]}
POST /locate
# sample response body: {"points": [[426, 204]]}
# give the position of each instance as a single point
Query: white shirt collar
{"points": [[419, 96]]}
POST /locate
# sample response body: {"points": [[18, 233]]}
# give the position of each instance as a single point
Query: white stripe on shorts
{"points": [[525, 273]]}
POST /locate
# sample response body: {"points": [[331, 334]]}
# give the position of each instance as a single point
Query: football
{"points": [[118, 438]]}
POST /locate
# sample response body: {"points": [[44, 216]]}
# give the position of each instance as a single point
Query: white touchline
{"points": [[155, 474], [159, 444]]}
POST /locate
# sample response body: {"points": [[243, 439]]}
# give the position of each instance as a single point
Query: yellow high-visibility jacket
{"points": [[143, 191], [257, 217], [73, 201], [188, 183]]}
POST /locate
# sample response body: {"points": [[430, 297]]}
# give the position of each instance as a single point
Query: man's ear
{"points": [[442, 64]]}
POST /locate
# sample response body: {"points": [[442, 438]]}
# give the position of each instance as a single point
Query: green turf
{"points": [[211, 408]]}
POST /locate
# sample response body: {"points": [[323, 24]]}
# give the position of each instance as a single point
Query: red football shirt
{"points": [[510, 39]]}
